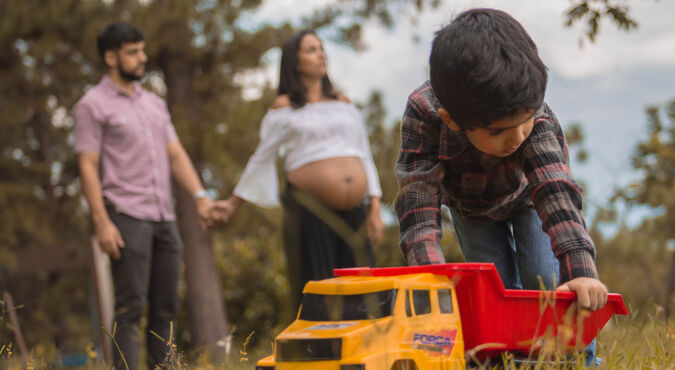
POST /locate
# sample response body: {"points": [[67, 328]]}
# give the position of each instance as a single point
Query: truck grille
{"points": [[309, 349]]}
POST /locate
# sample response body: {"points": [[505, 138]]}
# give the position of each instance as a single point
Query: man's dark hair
{"points": [[114, 35], [289, 77], [485, 67]]}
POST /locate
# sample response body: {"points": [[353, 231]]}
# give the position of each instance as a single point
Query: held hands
{"points": [[204, 212], [212, 213], [223, 210], [109, 239], [591, 293]]}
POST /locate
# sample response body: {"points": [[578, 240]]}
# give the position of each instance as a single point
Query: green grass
{"points": [[637, 342]]}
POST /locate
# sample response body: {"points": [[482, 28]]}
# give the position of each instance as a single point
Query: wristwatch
{"points": [[201, 193]]}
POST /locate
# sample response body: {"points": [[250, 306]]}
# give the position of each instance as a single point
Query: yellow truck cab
{"points": [[365, 322]]}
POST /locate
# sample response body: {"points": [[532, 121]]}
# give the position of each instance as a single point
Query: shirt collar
{"points": [[489, 161], [113, 88]]}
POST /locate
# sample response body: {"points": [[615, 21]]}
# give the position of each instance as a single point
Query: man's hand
{"points": [[591, 293], [204, 211], [109, 239]]}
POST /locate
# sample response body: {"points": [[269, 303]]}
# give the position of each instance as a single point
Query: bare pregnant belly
{"points": [[339, 183]]}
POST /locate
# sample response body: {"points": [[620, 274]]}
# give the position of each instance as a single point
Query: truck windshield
{"points": [[319, 307]]}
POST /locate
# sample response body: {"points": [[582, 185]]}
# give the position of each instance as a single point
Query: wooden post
{"points": [[105, 298], [16, 327]]}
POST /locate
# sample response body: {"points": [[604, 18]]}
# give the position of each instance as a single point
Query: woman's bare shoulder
{"points": [[281, 101], [344, 98]]}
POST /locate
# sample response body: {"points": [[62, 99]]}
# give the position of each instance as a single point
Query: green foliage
{"points": [[643, 341], [196, 52], [575, 137], [593, 11], [644, 254], [40, 210], [254, 280]]}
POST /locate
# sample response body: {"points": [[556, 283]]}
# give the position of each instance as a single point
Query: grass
{"points": [[634, 342], [638, 342]]}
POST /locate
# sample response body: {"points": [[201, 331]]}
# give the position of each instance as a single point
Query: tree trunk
{"points": [[204, 301]]}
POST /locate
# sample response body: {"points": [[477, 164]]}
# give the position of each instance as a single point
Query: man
{"points": [[127, 152]]}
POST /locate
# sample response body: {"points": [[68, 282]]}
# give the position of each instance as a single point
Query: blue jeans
{"points": [[519, 248]]}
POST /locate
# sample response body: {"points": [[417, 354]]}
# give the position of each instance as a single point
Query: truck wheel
{"points": [[404, 365]]}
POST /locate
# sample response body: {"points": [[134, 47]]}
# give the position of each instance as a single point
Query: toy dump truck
{"points": [[428, 317]]}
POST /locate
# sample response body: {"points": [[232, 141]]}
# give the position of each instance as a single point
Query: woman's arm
{"points": [[374, 225]]}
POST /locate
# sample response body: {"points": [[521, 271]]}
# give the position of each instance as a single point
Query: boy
{"points": [[479, 138]]}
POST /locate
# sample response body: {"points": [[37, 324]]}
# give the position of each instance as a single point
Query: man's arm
{"points": [[184, 172], [419, 175], [107, 234]]}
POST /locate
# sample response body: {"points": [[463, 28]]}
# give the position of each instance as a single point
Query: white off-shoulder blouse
{"points": [[314, 132]]}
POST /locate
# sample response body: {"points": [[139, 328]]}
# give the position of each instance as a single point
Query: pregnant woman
{"points": [[331, 202]]}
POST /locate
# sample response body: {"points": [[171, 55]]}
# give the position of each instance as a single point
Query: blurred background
{"points": [[611, 83]]}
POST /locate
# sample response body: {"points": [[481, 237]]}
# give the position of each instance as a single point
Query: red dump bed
{"points": [[495, 319]]}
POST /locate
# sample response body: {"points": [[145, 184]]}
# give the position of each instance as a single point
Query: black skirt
{"points": [[318, 239]]}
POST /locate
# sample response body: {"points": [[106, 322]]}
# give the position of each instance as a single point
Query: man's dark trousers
{"points": [[147, 271]]}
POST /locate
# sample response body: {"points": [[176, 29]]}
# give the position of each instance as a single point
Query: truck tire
{"points": [[406, 364]]}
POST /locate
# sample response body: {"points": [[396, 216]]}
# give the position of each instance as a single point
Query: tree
{"points": [[593, 11], [649, 247], [196, 51]]}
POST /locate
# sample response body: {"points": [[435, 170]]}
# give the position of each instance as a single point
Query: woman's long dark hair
{"points": [[289, 78]]}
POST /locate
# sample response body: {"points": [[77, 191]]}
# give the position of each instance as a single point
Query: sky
{"points": [[605, 86]]}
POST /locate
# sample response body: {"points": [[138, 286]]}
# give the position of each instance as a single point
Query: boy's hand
{"points": [[591, 293]]}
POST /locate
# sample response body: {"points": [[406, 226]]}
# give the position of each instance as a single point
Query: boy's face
{"points": [[502, 137]]}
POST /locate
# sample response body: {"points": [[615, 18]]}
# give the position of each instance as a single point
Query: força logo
{"points": [[436, 342]]}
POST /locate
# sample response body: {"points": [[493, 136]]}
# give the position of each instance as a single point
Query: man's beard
{"points": [[128, 76]]}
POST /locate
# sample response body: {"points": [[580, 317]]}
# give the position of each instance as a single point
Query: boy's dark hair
{"points": [[289, 78], [485, 67], [114, 35]]}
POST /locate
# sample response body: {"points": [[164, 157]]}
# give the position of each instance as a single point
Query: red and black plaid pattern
{"points": [[438, 166]]}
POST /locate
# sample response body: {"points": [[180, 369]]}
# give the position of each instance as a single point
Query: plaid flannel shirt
{"points": [[438, 166]]}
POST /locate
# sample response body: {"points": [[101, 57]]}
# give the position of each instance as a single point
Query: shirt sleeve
{"points": [[374, 188], [558, 199], [259, 183], [87, 130], [420, 175]]}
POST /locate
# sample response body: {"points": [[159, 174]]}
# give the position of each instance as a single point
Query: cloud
{"points": [[612, 55]]}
